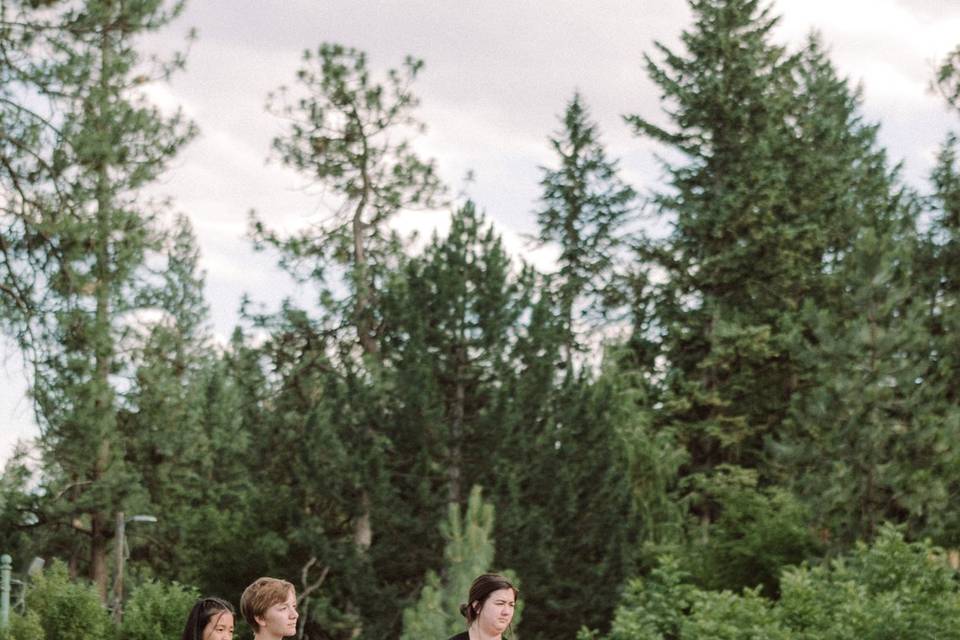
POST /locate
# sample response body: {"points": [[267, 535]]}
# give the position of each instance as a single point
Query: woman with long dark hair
{"points": [[209, 619], [489, 608]]}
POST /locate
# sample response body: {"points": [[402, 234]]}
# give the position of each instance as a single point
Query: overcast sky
{"points": [[498, 73]]}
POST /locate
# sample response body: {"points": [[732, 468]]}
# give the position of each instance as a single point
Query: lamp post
{"points": [[5, 565], [121, 556]]}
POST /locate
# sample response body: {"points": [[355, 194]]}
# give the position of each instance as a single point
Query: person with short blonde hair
{"points": [[269, 606]]}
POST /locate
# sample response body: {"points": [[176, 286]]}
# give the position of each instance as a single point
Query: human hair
{"points": [[202, 612], [480, 590], [262, 594]]}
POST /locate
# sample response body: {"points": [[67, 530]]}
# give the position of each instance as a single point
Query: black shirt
{"points": [[461, 636]]}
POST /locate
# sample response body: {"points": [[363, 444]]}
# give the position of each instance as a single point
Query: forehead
{"points": [[288, 598], [501, 594], [221, 617]]}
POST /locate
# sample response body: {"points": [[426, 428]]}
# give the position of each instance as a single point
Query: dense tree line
{"points": [[774, 383]]}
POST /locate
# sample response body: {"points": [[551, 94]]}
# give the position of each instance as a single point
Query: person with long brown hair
{"points": [[489, 608]]}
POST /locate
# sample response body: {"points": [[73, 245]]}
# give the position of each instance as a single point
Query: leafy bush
{"points": [[25, 627], [757, 533], [157, 611], [67, 609], [890, 590]]}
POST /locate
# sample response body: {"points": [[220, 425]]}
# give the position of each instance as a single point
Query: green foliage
{"points": [[453, 313], [24, 627], [68, 609], [725, 616], [948, 78], [890, 589], [469, 552], [653, 608], [758, 532], [761, 213], [81, 235], [17, 503], [586, 210], [873, 435], [791, 380], [157, 611], [351, 134]]}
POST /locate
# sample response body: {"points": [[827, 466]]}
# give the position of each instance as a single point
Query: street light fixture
{"points": [[121, 556]]}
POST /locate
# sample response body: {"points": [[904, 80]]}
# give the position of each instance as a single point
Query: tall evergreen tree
{"points": [[586, 210], [183, 425], [451, 314], [877, 400], [215, 506], [588, 463], [938, 285], [328, 416], [554, 450], [943, 244], [778, 175], [873, 433], [716, 306], [458, 309], [92, 156], [348, 135]]}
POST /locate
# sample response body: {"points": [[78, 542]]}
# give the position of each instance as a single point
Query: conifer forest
{"points": [[729, 408]]}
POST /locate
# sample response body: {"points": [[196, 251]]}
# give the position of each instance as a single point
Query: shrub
{"points": [[157, 611], [25, 627], [67, 609], [890, 590]]}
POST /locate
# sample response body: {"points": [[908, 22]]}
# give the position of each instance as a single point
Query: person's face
{"points": [[280, 620], [497, 612], [219, 627]]}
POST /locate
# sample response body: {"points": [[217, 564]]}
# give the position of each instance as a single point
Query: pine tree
{"points": [[468, 553], [943, 254], [80, 232], [586, 211], [348, 135], [591, 556], [451, 313], [187, 457], [560, 448], [715, 309], [937, 285], [458, 309], [874, 432], [214, 507], [779, 175], [948, 78], [329, 417]]}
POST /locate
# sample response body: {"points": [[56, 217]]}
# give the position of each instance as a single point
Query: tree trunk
{"points": [[102, 417]]}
